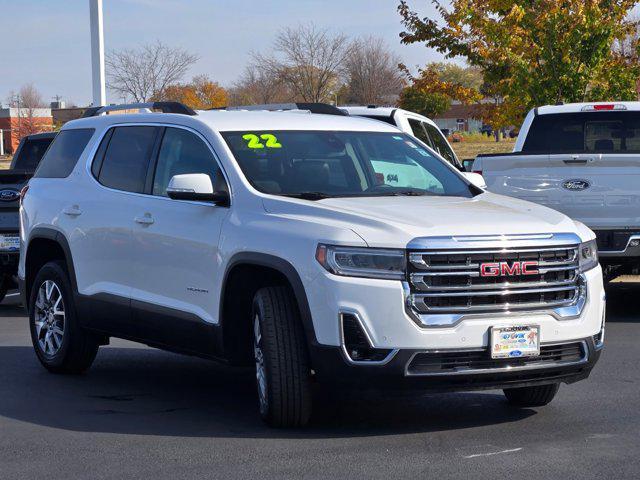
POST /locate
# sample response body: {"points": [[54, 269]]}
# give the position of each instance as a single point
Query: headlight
{"points": [[588, 255], [362, 262]]}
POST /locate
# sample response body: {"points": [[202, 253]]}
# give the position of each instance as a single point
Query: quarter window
{"points": [[183, 152], [126, 159], [63, 154]]}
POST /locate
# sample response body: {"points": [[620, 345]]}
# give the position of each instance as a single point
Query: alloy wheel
{"points": [[261, 370], [49, 318]]}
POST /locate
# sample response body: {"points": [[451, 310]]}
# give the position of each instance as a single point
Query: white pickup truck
{"points": [[582, 159]]}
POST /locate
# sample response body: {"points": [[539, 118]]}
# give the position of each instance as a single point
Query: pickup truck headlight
{"points": [[362, 262], [588, 255]]}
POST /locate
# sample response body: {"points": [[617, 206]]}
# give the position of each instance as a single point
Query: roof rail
{"points": [[324, 108], [164, 107]]}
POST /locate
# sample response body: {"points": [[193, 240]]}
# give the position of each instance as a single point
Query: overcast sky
{"points": [[47, 43]]}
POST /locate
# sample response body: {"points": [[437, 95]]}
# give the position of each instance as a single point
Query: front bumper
{"points": [[331, 366], [618, 245], [380, 306]]}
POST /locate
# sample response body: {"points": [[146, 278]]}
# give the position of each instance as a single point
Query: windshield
{"points": [[322, 164]]}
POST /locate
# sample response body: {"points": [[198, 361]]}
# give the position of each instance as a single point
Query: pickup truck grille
{"points": [[493, 280]]}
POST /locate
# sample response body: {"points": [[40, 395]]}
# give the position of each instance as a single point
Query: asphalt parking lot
{"points": [[142, 413]]}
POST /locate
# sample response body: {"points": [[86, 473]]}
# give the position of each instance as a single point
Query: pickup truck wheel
{"points": [[282, 365], [61, 345], [531, 396]]}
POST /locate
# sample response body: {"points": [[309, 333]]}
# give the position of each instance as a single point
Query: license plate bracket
{"points": [[515, 341], [9, 243]]}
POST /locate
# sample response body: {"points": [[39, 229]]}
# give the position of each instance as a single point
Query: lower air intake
{"points": [[357, 346]]}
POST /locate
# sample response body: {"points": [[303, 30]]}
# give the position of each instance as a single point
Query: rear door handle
{"points": [[72, 210], [146, 219]]}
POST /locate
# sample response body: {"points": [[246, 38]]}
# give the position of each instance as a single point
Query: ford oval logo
{"points": [[9, 195], [576, 185]]}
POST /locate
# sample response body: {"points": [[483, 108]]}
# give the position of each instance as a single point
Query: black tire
{"points": [[531, 396], [4, 286], [285, 400], [77, 349]]}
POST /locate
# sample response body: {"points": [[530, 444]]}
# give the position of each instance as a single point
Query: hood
{"points": [[395, 221]]}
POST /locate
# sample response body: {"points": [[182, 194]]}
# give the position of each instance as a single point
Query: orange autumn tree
{"points": [[200, 94], [533, 52], [430, 94]]}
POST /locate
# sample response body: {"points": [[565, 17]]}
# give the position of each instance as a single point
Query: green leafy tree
{"points": [[532, 52], [429, 104]]}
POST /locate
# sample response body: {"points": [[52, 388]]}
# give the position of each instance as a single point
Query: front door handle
{"points": [[146, 219], [72, 210]]}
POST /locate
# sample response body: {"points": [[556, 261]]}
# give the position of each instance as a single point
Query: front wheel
{"points": [[61, 345], [282, 364], [531, 396]]}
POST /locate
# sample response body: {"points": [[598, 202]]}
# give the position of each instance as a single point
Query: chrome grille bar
{"points": [[420, 284], [449, 280]]}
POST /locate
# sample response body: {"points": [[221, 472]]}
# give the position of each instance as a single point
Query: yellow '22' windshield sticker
{"points": [[254, 141]]}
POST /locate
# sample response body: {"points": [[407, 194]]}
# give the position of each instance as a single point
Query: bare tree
{"points": [[147, 71], [257, 85], [373, 73], [27, 102], [309, 61]]}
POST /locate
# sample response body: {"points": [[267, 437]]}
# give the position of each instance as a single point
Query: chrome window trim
{"points": [[92, 154], [508, 368]]}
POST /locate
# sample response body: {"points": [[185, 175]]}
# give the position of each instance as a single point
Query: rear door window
{"points": [[419, 132], [440, 144], [584, 132], [126, 158], [63, 154]]}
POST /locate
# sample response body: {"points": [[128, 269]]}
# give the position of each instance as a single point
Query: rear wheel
{"points": [[282, 365], [61, 345], [531, 396]]}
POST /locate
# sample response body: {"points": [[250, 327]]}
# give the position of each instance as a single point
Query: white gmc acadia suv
{"points": [[319, 247]]}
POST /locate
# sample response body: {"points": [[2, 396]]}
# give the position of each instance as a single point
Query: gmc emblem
{"points": [[505, 269]]}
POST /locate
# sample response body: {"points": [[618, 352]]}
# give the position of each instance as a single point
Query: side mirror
{"points": [[196, 187], [476, 179]]}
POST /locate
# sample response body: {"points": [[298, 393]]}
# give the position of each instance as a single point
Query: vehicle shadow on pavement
{"points": [[148, 392], [623, 300]]}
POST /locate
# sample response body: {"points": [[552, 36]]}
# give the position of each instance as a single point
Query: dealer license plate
{"points": [[9, 243], [515, 341]]}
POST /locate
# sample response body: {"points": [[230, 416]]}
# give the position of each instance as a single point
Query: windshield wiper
{"points": [[308, 195], [411, 193]]}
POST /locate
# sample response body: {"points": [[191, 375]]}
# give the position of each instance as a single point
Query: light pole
{"points": [[97, 53]]}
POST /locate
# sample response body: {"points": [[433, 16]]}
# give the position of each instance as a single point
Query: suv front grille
{"points": [[480, 361], [456, 282]]}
